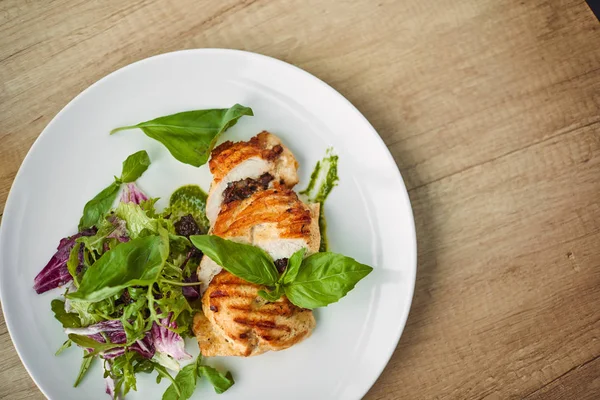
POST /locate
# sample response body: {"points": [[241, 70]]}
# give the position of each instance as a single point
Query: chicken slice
{"points": [[231, 162], [273, 219], [238, 322]]}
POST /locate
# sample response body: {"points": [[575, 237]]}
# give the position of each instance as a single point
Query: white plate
{"points": [[369, 217]]}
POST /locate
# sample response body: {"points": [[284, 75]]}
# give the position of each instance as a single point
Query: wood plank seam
{"points": [[561, 376]]}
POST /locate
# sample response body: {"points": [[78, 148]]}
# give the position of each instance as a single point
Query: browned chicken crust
{"points": [[278, 205], [238, 322], [264, 145]]}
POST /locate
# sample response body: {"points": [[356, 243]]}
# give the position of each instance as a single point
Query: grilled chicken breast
{"points": [[231, 162], [251, 201], [238, 322], [273, 219]]}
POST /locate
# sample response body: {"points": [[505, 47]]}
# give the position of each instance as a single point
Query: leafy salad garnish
{"points": [[131, 288]]}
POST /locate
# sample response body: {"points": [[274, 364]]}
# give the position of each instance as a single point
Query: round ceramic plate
{"points": [[369, 217]]}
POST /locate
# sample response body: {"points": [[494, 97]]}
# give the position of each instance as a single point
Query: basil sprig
{"points": [[191, 135], [95, 209], [315, 281]]}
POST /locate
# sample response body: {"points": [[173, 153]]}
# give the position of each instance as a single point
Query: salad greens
{"points": [[316, 281], [191, 135], [322, 181], [131, 287]]}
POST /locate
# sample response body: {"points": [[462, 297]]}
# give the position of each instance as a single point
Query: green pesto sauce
{"points": [[189, 199], [322, 180]]}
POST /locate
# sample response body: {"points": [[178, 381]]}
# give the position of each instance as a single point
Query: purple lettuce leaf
{"points": [[132, 194], [110, 384], [168, 342], [113, 330], [55, 273], [190, 292], [110, 387]]}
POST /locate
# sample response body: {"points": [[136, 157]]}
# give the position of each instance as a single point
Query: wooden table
{"points": [[492, 112]]}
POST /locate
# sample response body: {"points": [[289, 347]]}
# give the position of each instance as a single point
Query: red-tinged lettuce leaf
{"points": [[56, 273], [168, 342], [110, 387], [132, 194], [115, 333]]}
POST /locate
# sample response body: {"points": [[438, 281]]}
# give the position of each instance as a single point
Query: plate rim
{"points": [[403, 317]]}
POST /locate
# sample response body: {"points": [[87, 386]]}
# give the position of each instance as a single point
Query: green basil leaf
{"points": [[64, 346], [186, 381], [96, 208], [134, 166], [137, 262], [273, 295], [190, 136], [244, 261], [291, 271], [324, 278], [220, 381], [85, 366], [68, 320]]}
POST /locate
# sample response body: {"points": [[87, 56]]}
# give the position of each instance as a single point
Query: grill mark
{"points": [[266, 324], [218, 293], [263, 311], [262, 324]]}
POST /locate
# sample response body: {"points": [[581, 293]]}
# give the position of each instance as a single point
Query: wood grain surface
{"points": [[491, 110]]}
